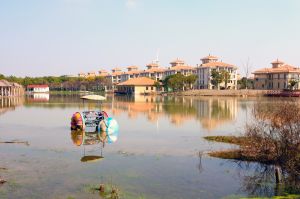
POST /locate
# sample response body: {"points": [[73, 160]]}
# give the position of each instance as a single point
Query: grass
{"points": [[289, 196], [234, 154], [228, 139]]}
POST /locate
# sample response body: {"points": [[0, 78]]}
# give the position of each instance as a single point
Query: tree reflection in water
{"points": [[262, 181]]}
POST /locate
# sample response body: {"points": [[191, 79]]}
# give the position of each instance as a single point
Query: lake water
{"points": [[160, 151]]}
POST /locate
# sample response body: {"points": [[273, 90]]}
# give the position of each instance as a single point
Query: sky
{"points": [[65, 37]]}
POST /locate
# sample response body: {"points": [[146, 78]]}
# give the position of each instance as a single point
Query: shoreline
{"points": [[230, 93]]}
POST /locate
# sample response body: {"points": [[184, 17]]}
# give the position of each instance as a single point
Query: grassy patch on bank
{"points": [[234, 154], [228, 139]]}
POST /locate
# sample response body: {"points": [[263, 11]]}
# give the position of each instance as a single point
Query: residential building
{"points": [[132, 72], [153, 71], [115, 76], [38, 88], [103, 73], [210, 63], [179, 66], [81, 75], [91, 74], [140, 85], [276, 78]]}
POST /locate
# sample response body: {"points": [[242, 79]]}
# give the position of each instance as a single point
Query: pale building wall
{"points": [[204, 77], [137, 90], [276, 81], [41, 90]]}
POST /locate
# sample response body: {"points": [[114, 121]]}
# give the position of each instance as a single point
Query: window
{"points": [[152, 88], [146, 88]]}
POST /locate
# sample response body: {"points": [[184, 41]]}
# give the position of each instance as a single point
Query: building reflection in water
{"points": [[10, 103], [213, 112], [38, 97], [210, 112]]}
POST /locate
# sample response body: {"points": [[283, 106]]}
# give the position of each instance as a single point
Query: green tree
{"points": [[157, 84], [217, 78], [175, 82], [226, 77], [190, 80], [292, 84]]}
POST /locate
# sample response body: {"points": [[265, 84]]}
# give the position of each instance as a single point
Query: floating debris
{"points": [[93, 97], [2, 181], [15, 142], [102, 188]]}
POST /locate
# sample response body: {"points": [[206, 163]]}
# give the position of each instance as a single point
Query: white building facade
{"points": [[205, 69]]}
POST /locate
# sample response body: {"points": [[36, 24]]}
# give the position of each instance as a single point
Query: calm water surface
{"points": [[157, 154]]}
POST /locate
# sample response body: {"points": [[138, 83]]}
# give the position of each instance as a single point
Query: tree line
{"points": [[179, 82], [63, 83]]}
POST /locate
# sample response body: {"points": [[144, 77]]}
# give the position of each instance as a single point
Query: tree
{"points": [[190, 80], [217, 78], [157, 84], [274, 136], [175, 82], [247, 67], [226, 77], [292, 84]]}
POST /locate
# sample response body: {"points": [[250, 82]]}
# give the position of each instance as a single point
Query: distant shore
{"points": [[207, 92]]}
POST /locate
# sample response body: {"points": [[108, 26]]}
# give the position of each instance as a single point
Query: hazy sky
{"points": [[57, 37]]}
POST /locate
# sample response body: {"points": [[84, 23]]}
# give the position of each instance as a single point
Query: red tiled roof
{"points": [[117, 69], [282, 69], [152, 65], [217, 64], [140, 81], [37, 86], [209, 57], [181, 68], [277, 62], [133, 72], [132, 67], [154, 70], [177, 61]]}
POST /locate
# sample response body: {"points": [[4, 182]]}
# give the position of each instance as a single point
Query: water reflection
{"points": [[10, 103], [261, 181], [39, 97], [211, 112], [214, 112], [98, 139]]}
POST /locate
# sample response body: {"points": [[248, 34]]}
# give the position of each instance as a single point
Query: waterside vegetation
{"points": [[63, 83], [272, 138]]}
